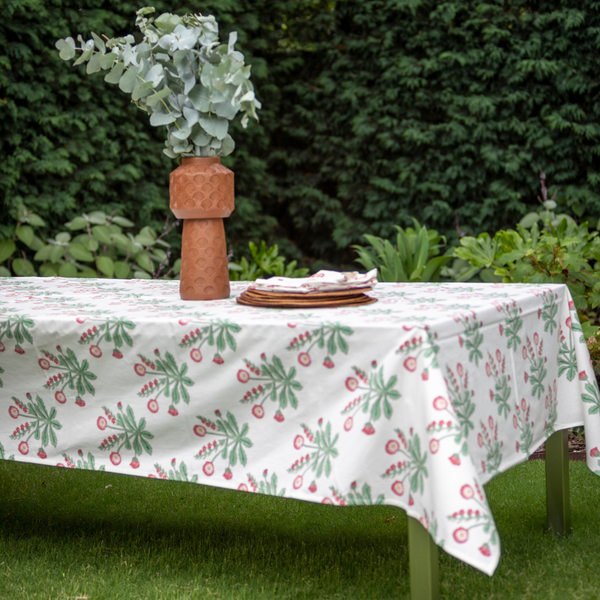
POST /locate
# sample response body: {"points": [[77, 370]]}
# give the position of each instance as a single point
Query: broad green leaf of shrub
{"points": [[25, 234], [143, 260], [78, 252], [67, 270], [121, 270], [105, 266], [7, 247], [23, 268]]}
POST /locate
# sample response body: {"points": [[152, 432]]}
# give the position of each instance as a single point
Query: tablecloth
{"points": [[415, 401]]}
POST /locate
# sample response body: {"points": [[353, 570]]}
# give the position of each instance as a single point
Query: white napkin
{"points": [[322, 281]]}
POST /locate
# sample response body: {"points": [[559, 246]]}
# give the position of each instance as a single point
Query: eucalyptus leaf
{"points": [[99, 43], [228, 146], [95, 64], [107, 61], [157, 118], [128, 80], [191, 116], [115, 73], [214, 126], [158, 96], [84, 57]]}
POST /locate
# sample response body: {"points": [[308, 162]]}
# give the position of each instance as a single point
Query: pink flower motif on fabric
{"points": [[351, 383], [258, 411], [398, 488], [95, 351], [440, 403], [466, 491], [152, 406], [392, 447], [44, 363], [461, 535], [304, 359], [243, 376], [196, 355], [139, 369], [200, 430], [434, 445], [348, 424], [60, 397], [208, 468], [115, 458], [410, 364], [298, 442]]}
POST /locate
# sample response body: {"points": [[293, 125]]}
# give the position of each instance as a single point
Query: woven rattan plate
{"points": [[252, 297]]}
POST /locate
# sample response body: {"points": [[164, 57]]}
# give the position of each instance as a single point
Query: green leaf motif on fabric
{"points": [[230, 442], [274, 384], [175, 473], [375, 395], [130, 435], [321, 451], [86, 463], [462, 399], [40, 424], [167, 378], [70, 373], [414, 465]]}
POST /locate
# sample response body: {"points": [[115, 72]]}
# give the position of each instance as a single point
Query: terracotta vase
{"points": [[201, 193]]}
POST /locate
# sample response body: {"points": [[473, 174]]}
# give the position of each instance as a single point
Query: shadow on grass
{"points": [[66, 533]]}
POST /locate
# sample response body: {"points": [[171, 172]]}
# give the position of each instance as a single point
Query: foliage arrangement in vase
{"points": [[191, 84]]}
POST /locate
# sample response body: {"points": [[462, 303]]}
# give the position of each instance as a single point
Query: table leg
{"points": [[423, 562], [558, 506]]}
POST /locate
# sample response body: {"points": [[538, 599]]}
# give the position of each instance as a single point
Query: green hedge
{"points": [[375, 111], [445, 111]]}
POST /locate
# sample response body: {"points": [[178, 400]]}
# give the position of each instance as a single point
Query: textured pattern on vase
{"points": [[204, 271], [201, 188]]}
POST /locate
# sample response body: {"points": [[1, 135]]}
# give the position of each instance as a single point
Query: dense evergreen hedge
{"points": [[374, 111]]}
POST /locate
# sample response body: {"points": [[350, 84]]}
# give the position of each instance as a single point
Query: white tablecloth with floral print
{"points": [[415, 401]]}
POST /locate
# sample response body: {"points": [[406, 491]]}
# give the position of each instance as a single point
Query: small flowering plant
{"points": [[180, 75]]}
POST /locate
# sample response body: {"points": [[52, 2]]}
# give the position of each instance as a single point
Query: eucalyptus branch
{"points": [[204, 87]]}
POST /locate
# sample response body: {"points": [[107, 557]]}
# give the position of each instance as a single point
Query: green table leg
{"points": [[423, 562], [558, 506]]}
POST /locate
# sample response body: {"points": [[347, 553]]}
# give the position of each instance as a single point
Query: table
{"points": [[415, 401]]}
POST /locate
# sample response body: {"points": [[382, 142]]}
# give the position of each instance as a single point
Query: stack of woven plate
{"points": [[321, 290]]}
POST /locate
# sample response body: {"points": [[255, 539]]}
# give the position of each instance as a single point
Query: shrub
{"points": [[414, 258]]}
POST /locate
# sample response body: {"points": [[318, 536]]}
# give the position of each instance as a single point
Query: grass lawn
{"points": [[68, 535]]}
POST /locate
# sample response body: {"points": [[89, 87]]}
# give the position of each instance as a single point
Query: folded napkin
{"points": [[322, 281]]}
